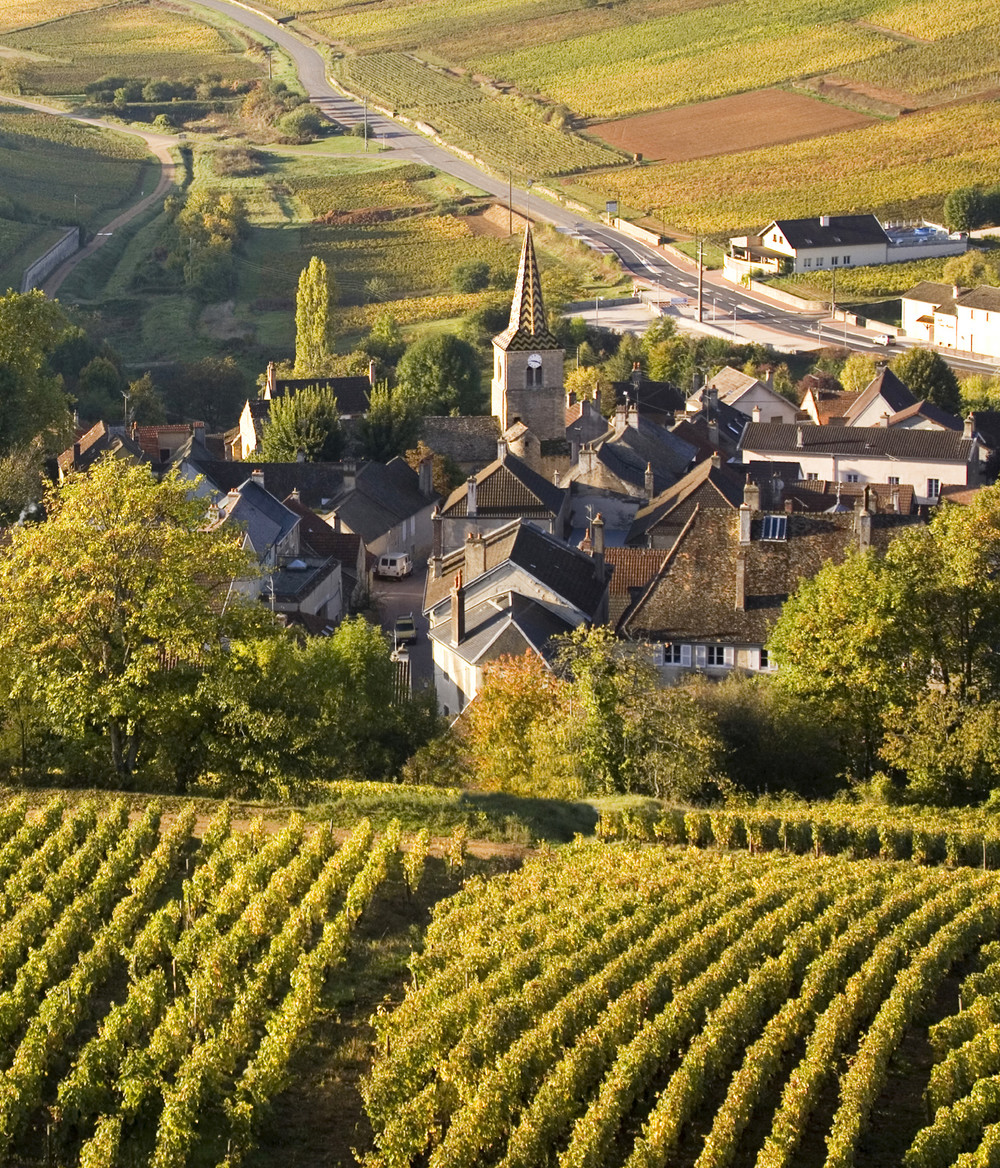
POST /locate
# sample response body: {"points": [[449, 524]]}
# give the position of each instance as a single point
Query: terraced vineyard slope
{"points": [[610, 1006]]}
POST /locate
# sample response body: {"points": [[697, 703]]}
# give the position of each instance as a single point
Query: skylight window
{"points": [[774, 527]]}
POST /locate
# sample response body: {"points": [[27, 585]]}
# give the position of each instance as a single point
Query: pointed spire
{"points": [[528, 328]]}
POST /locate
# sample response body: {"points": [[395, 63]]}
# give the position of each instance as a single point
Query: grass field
{"points": [[135, 41], [892, 168]]}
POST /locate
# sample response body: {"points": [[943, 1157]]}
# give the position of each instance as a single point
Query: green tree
{"points": [[145, 405], [389, 427], [312, 320], [306, 421], [470, 276], [440, 374], [928, 376], [22, 482], [113, 608], [32, 399], [100, 391], [979, 392], [964, 209], [973, 268], [857, 373], [211, 390]]}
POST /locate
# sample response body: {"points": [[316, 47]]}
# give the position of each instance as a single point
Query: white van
{"points": [[394, 566]]}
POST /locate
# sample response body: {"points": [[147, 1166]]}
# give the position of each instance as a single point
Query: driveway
{"points": [[395, 598]]}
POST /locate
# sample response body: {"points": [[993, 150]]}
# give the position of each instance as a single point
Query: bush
{"points": [[470, 276], [304, 123]]}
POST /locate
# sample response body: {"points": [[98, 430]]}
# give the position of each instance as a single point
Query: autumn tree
{"points": [[857, 373], [112, 609], [312, 320], [32, 398]]}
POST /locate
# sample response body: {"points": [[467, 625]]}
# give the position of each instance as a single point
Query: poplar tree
{"points": [[312, 320]]}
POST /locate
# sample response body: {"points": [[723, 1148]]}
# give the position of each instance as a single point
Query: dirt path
{"points": [[159, 144]]}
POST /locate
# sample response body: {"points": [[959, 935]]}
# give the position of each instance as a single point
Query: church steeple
{"points": [[528, 330]]}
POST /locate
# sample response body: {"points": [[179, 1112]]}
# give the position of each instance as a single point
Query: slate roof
{"points": [[568, 572], [651, 397], [842, 230], [928, 410], [928, 292], [471, 440], [858, 441], [265, 519], [101, 439], [321, 537], [316, 482], [491, 632], [884, 384], [528, 329], [292, 585], [693, 597], [353, 394], [629, 452], [383, 496], [726, 483], [506, 489]]}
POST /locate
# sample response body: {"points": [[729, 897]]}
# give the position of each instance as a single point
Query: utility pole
{"points": [[366, 125], [700, 302], [510, 202]]}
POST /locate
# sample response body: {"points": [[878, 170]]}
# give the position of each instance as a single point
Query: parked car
{"points": [[883, 339], [394, 566], [405, 631]]}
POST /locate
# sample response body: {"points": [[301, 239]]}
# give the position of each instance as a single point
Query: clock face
{"points": [[535, 361]]}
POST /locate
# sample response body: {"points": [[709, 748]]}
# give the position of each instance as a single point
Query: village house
{"points": [[949, 317], [751, 396]]}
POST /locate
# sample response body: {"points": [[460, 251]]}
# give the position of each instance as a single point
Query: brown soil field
{"points": [[746, 121]]}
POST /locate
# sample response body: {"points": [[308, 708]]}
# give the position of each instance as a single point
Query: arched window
{"points": [[533, 376]]}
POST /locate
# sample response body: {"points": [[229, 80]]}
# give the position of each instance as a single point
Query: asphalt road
{"points": [[395, 598]]}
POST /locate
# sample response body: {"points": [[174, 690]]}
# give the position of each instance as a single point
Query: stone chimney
{"points": [[884, 421], [425, 476], [717, 459], [437, 544], [751, 495], [457, 611], [648, 482], [968, 425], [755, 416], [334, 521], [371, 372], [741, 575], [350, 474], [597, 540], [620, 420], [501, 450], [475, 555], [556, 478], [258, 477], [294, 494], [470, 505], [863, 521], [710, 400], [745, 516], [585, 459], [632, 416], [798, 437]]}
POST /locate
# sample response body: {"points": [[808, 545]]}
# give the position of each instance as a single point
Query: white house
{"points": [[923, 459], [746, 394], [948, 317]]}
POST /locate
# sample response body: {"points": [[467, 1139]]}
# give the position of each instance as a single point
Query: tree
{"points": [[470, 276], [306, 421], [32, 400], [312, 320], [22, 478], [144, 403], [928, 376], [973, 268], [389, 427], [100, 391], [858, 372], [964, 209], [211, 390], [115, 606], [440, 374]]}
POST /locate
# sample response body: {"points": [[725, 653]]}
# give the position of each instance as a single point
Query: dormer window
{"points": [[774, 527]]}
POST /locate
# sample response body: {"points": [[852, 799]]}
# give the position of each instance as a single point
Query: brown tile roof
{"points": [[821, 495], [928, 292], [573, 412], [528, 329], [983, 297], [507, 489], [634, 569], [693, 598], [724, 489], [860, 441], [833, 403]]}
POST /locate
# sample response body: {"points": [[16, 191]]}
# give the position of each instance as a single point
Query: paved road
{"points": [[753, 316], [395, 598]]}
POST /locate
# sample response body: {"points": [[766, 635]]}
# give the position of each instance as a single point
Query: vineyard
{"points": [[612, 1006], [124, 40], [154, 986]]}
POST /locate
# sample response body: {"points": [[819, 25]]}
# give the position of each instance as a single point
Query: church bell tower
{"points": [[528, 360]]}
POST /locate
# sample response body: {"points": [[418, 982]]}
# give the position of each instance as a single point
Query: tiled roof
{"points": [[886, 385], [731, 383], [568, 572], [148, 437], [842, 230], [506, 489], [654, 397], [629, 452], [694, 596], [383, 496], [265, 519], [468, 440], [98, 440], [353, 394], [821, 495], [528, 329], [634, 569], [292, 585], [833, 403], [983, 297], [858, 441], [927, 292], [725, 483], [316, 482], [928, 410], [492, 631]]}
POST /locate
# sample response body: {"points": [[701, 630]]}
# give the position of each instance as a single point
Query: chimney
{"points": [[334, 521], [585, 459], [798, 437], [863, 528], [884, 421], [350, 474], [371, 372], [214, 514], [633, 416], [271, 383], [258, 477], [425, 476], [620, 419], [745, 514], [501, 450], [755, 416], [77, 452], [457, 611], [470, 506], [135, 431], [741, 578], [751, 495], [475, 555], [648, 484], [717, 459], [556, 477], [437, 544], [968, 425], [570, 398], [294, 495], [710, 400], [789, 506], [713, 431], [597, 538]]}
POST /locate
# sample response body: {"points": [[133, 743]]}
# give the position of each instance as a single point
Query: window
{"points": [[893, 480], [807, 263], [716, 655], [834, 261], [851, 478], [933, 488], [847, 259], [765, 660], [774, 527], [657, 655], [533, 376], [674, 654], [811, 477]]}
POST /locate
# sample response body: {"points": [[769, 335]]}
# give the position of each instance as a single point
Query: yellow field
{"points": [[896, 167], [129, 41], [19, 14]]}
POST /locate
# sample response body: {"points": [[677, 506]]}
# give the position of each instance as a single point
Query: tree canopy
{"points": [[928, 376], [440, 374], [306, 421], [32, 398], [312, 320]]}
